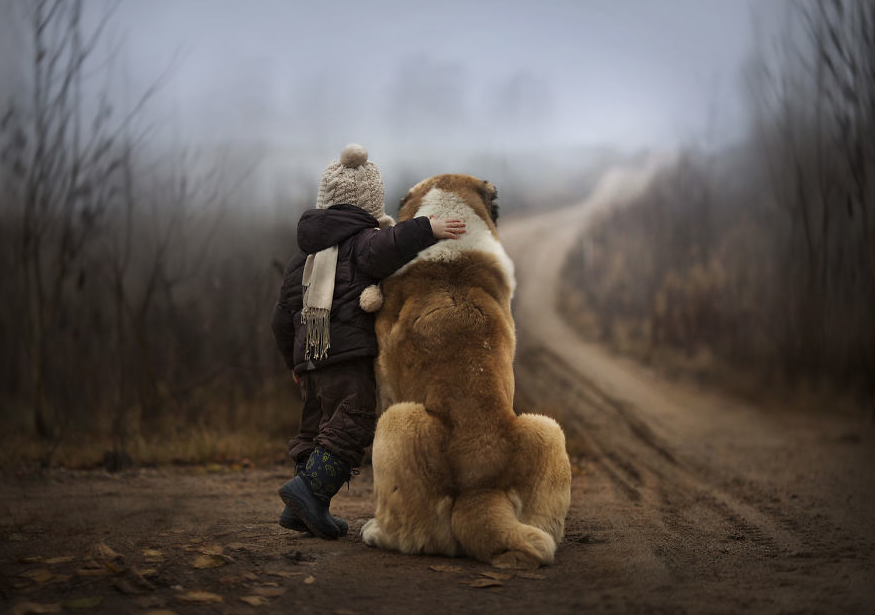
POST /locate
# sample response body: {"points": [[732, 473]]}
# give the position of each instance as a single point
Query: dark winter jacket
{"points": [[365, 256]]}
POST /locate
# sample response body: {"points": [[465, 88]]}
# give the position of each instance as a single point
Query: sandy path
{"points": [[707, 497]]}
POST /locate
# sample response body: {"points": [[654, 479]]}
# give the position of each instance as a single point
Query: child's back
{"points": [[347, 244]]}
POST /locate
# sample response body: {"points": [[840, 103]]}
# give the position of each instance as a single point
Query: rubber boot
{"points": [[309, 495], [290, 520]]}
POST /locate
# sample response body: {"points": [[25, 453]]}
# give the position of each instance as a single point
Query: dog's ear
{"points": [[488, 192], [404, 199]]}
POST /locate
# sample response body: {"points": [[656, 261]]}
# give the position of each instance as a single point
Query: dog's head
{"points": [[479, 195]]}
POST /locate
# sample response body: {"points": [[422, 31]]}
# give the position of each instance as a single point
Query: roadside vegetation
{"points": [[137, 293], [755, 267]]}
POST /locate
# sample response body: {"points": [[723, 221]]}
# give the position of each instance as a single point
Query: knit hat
{"points": [[354, 181]]}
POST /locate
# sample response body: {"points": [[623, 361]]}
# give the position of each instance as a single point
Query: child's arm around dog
{"points": [[379, 253]]}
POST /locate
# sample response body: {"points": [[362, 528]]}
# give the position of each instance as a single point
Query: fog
{"points": [[401, 74], [427, 88], [150, 185], [499, 74]]}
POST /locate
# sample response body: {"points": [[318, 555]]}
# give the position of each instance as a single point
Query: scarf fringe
{"points": [[318, 333], [318, 282]]}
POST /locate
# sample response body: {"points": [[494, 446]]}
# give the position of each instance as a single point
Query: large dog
{"points": [[456, 472]]}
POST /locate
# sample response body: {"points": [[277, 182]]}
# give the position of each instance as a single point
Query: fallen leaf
{"points": [[255, 600], [35, 608], [270, 592], [283, 573], [498, 576], [269, 584], [212, 550], [310, 580], [38, 575], [91, 569], [200, 597], [83, 603], [445, 568], [126, 587], [102, 551], [59, 560], [141, 582], [208, 561], [485, 583], [36, 559], [531, 575], [153, 553], [112, 567]]}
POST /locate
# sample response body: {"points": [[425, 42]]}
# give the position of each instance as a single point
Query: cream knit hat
{"points": [[354, 181]]}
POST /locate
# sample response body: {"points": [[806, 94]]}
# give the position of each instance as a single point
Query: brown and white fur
{"points": [[456, 472]]}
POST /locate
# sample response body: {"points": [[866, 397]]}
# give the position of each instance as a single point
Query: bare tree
{"points": [[122, 303], [65, 184], [68, 161]]}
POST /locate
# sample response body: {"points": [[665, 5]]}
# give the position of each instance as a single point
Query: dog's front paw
{"points": [[370, 533]]}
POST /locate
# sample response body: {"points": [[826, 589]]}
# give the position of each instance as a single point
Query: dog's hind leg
{"points": [[410, 475], [485, 523], [544, 474]]}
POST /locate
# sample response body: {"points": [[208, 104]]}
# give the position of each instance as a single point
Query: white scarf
{"points": [[318, 284]]}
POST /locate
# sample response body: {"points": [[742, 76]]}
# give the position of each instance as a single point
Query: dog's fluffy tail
{"points": [[486, 525]]}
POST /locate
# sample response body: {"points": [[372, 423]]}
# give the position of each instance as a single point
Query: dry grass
{"points": [[705, 277], [699, 364], [21, 454], [255, 433]]}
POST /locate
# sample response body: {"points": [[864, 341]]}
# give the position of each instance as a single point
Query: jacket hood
{"points": [[319, 229]]}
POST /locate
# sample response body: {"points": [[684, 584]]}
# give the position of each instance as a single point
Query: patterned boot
{"points": [[290, 520], [309, 495]]}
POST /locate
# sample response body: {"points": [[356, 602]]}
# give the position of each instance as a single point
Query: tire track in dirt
{"points": [[669, 453], [642, 467]]}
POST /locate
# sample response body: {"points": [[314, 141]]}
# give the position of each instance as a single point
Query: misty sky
{"points": [[426, 87], [487, 75]]}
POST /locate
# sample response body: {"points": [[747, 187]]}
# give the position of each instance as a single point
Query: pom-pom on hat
{"points": [[354, 181]]}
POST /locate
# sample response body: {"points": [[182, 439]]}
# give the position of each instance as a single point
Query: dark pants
{"points": [[340, 410]]}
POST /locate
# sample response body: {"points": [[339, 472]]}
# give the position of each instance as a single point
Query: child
{"points": [[325, 336]]}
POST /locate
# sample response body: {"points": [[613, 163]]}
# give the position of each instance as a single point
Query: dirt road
{"points": [[682, 501], [698, 502]]}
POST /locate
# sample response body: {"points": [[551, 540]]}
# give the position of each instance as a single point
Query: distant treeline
{"points": [[137, 290], [138, 285], [763, 256]]}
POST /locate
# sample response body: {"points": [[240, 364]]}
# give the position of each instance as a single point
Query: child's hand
{"points": [[446, 229]]}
